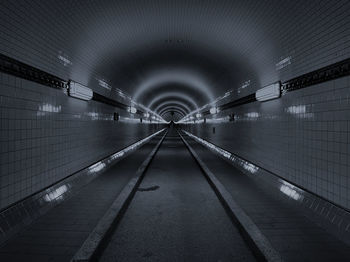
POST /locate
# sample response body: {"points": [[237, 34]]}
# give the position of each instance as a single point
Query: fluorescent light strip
{"points": [[269, 92], [79, 91]]}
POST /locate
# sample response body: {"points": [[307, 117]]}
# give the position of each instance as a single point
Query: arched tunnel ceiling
{"points": [[185, 50]]}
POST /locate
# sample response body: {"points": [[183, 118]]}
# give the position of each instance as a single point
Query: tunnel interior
{"points": [[262, 85]]}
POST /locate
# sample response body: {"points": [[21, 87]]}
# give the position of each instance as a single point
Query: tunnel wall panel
{"points": [[286, 38], [302, 137], [46, 136]]}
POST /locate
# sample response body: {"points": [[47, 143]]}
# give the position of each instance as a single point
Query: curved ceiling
{"points": [[168, 51]]}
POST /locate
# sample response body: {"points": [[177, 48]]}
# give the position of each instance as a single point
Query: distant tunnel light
{"points": [[79, 91], [214, 110], [269, 92]]}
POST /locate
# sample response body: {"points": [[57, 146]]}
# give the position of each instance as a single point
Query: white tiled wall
{"points": [[46, 136], [303, 136]]}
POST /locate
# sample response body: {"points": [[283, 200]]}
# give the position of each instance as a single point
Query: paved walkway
{"points": [[176, 216], [57, 235], [291, 233]]}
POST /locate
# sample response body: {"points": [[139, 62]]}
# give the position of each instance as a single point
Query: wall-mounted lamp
{"points": [[214, 110], [132, 109], [269, 92], [79, 91]]}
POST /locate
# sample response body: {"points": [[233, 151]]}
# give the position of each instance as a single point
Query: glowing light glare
{"points": [[79, 91], [290, 190], [146, 115], [269, 92], [56, 194], [214, 110], [198, 115]]}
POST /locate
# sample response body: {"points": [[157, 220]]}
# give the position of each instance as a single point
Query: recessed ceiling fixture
{"points": [[269, 92], [79, 91]]}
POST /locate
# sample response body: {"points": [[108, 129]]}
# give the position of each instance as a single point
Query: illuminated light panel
{"points": [[269, 92], [79, 91], [146, 115], [132, 109], [214, 110]]}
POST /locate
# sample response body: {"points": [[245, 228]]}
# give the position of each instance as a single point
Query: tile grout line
{"points": [[262, 247], [50, 196], [95, 242]]}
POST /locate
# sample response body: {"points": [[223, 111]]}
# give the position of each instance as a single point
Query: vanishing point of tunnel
{"points": [[174, 130]]}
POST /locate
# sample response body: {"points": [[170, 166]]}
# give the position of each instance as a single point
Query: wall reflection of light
{"points": [[57, 194], [48, 108], [299, 111], [104, 84], [96, 167], [253, 115], [290, 190], [250, 167]]}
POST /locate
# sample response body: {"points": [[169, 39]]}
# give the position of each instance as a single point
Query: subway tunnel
{"points": [[175, 130]]}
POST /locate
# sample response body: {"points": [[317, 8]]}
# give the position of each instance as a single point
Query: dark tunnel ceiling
{"points": [[180, 53]]}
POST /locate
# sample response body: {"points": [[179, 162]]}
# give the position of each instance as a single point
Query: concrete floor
{"points": [[57, 235], [284, 224], [176, 216]]}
